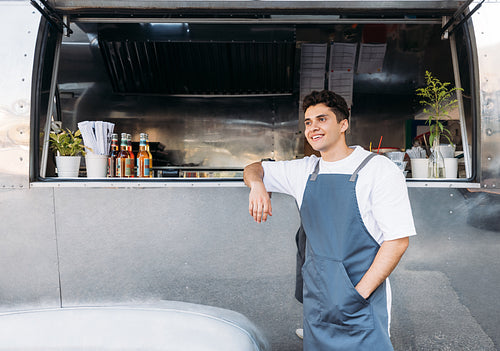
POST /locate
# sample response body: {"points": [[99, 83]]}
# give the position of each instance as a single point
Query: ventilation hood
{"points": [[197, 59]]}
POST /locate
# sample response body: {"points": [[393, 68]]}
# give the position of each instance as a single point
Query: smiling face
{"points": [[324, 133]]}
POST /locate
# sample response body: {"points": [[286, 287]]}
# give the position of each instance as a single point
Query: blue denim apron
{"points": [[339, 250]]}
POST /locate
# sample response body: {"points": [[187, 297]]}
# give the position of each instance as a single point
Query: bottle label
{"points": [[128, 167], [119, 168], [143, 167], [111, 167], [146, 167]]}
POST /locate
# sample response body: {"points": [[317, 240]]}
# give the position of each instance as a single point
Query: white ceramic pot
{"points": [[68, 166]]}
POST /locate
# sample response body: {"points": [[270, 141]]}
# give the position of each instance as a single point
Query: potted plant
{"points": [[438, 99], [68, 148]]}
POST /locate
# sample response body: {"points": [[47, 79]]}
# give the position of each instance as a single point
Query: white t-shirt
{"points": [[380, 189]]}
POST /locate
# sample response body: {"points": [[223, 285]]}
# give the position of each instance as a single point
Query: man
{"points": [[357, 219]]}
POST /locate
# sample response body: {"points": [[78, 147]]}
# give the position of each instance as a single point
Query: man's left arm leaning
{"points": [[259, 201]]}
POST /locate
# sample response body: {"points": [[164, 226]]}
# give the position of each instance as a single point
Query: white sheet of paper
{"points": [[341, 83], [342, 57], [312, 68], [371, 58]]}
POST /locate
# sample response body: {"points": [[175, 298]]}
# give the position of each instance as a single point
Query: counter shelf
{"points": [[208, 182]]}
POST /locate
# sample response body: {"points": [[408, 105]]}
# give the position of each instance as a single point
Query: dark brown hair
{"points": [[335, 102]]}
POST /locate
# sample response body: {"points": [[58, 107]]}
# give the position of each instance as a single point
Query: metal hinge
{"points": [[445, 31], [61, 23]]}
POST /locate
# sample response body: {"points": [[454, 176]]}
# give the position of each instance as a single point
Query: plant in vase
{"points": [[68, 148], [438, 99]]}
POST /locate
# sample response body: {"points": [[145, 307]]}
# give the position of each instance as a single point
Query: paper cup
{"points": [[97, 165], [419, 168], [451, 167], [396, 156]]}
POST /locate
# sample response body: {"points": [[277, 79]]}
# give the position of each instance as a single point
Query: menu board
{"points": [[312, 68], [341, 69], [341, 83], [371, 58], [342, 57]]}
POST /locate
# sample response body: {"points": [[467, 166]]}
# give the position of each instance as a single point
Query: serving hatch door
{"points": [[305, 7]]}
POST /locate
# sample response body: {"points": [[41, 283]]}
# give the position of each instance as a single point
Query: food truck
{"points": [[217, 85]]}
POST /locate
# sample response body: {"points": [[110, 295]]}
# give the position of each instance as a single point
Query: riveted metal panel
{"points": [[28, 253], [20, 20], [488, 53]]}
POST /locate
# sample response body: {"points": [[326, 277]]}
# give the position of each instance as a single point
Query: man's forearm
{"points": [[259, 201], [385, 261], [253, 173]]}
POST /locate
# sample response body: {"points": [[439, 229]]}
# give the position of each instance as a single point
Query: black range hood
{"points": [[198, 59]]}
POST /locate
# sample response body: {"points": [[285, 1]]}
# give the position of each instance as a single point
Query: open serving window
{"points": [[216, 90]]}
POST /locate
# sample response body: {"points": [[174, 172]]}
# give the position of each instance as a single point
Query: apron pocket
{"points": [[338, 301]]}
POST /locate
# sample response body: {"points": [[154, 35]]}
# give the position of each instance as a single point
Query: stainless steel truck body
{"points": [[216, 85]]}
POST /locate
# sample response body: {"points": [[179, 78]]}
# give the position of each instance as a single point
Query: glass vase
{"points": [[436, 162]]}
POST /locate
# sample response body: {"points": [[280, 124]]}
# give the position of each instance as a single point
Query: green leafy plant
{"points": [[65, 142], [439, 99]]}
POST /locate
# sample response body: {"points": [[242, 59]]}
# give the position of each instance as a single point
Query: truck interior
{"points": [[218, 90]]}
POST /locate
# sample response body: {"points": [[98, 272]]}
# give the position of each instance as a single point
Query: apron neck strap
{"points": [[362, 164], [353, 177], [314, 174]]}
